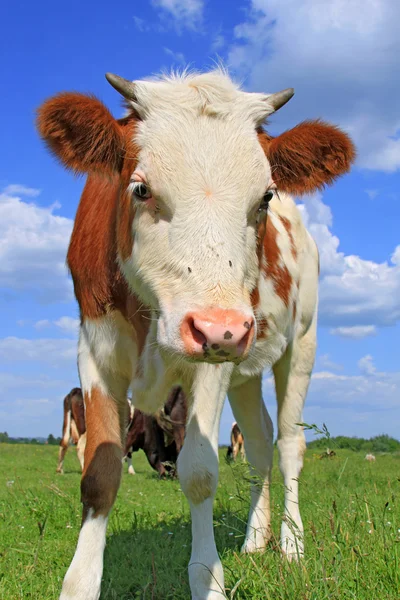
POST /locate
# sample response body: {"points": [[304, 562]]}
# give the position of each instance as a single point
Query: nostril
{"points": [[197, 335], [244, 342]]}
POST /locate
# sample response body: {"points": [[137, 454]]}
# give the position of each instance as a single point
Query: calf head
{"points": [[196, 173]]}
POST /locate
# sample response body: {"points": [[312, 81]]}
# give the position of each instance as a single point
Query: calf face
{"points": [[195, 176]]}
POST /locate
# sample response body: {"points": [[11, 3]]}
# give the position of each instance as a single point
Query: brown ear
{"points": [[82, 133], [308, 157]]}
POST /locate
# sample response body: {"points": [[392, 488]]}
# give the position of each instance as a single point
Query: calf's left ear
{"points": [[308, 157]]}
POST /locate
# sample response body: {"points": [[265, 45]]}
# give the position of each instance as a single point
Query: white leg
{"points": [[256, 425], [198, 474], [61, 455], [80, 449], [105, 412], [292, 376], [131, 470], [83, 578]]}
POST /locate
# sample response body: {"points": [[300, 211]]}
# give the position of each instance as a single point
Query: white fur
{"points": [[131, 470], [83, 578], [198, 474], [199, 152], [80, 449]]}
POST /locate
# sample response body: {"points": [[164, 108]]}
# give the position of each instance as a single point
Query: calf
{"points": [[74, 427], [192, 266], [237, 443], [161, 436]]}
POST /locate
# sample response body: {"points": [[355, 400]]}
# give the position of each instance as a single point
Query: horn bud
{"points": [[123, 86], [276, 101]]}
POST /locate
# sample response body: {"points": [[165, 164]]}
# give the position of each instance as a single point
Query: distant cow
{"points": [[370, 457], [74, 427], [237, 443], [328, 454], [160, 436]]}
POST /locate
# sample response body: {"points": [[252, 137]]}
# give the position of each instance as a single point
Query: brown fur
{"points": [[288, 226], [308, 157], [73, 408], [82, 133], [103, 455], [280, 275]]}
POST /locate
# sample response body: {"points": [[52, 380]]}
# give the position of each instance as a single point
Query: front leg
{"points": [[198, 474], [105, 413], [256, 425]]}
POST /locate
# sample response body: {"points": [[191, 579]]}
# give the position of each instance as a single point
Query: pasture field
{"points": [[350, 508]]}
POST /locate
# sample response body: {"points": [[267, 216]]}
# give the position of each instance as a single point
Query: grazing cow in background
{"points": [[237, 443], [74, 427], [370, 457], [192, 267], [160, 436]]}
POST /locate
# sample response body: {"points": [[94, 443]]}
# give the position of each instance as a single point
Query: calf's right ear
{"points": [[82, 133]]}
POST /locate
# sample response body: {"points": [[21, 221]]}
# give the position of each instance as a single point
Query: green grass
{"points": [[350, 509]]}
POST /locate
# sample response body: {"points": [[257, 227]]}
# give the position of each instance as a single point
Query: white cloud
{"points": [[16, 189], [342, 59], [41, 324], [177, 57], [33, 247], [218, 43], [357, 332], [354, 292], [140, 24], [44, 350], [372, 194], [68, 325], [364, 403], [325, 362], [185, 13], [370, 389], [10, 381], [366, 365]]}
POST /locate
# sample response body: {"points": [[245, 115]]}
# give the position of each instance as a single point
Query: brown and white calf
{"points": [[74, 427], [237, 443], [190, 269], [160, 436]]}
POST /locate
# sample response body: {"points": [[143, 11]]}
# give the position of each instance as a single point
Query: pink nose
{"points": [[217, 335]]}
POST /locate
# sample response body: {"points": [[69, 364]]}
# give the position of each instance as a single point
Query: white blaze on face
{"points": [[202, 161]]}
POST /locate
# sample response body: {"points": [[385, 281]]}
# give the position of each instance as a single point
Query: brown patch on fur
{"points": [[199, 487], [280, 275], [262, 327], [126, 209], [255, 294], [288, 226], [82, 133], [138, 316], [103, 226], [308, 157], [103, 454], [92, 253]]}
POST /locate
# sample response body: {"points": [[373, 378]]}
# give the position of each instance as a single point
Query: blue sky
{"points": [[342, 59]]}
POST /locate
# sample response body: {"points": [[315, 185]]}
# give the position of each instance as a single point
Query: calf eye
{"points": [[269, 194], [141, 190]]}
